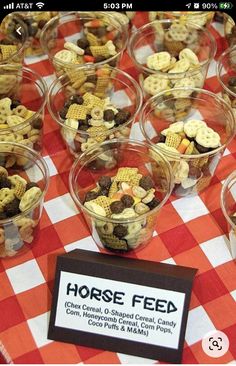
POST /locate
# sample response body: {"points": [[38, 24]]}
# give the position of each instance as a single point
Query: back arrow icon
{"points": [[19, 31]]}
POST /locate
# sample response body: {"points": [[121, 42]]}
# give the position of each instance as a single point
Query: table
{"points": [[190, 231]]}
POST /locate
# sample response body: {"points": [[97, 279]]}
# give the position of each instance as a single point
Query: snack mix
{"points": [[230, 30], [126, 196], [35, 21], [17, 195], [197, 17], [98, 42], [231, 84], [193, 137], [184, 61], [13, 123], [92, 117]]}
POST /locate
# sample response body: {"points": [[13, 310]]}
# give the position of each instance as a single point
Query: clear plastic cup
{"points": [[28, 91], [106, 159], [17, 233], [70, 26], [34, 22], [229, 30], [202, 18], [13, 32], [226, 73], [155, 37], [192, 172], [123, 91], [228, 206]]}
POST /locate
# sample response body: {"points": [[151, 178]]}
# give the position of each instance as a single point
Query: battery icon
{"points": [[225, 6]]}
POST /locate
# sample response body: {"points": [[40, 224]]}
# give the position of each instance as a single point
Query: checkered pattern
{"points": [[189, 231]]}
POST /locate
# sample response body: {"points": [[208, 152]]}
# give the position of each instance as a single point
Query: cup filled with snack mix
{"points": [[226, 74], [228, 206], [22, 100], [192, 128], [79, 38], [13, 40], [24, 179], [94, 105], [170, 53], [120, 186], [34, 22], [229, 30], [202, 18]]}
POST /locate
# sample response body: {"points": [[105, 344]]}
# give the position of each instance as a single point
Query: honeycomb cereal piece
{"points": [[178, 32], [159, 60], [104, 202], [180, 66], [76, 111], [125, 174], [5, 109], [66, 56], [29, 198], [192, 126], [173, 140], [207, 137], [7, 51], [111, 241], [20, 111], [6, 195], [14, 120], [153, 84], [188, 54]]}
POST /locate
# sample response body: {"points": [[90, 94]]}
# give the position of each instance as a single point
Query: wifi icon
{"points": [[40, 5]]}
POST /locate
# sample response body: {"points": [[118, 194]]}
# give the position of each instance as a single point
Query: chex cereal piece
{"points": [[173, 140], [178, 32], [189, 55], [19, 189], [202, 161], [98, 133], [5, 109], [203, 183], [100, 51], [7, 50], [125, 174], [75, 75], [159, 60], [113, 189], [207, 137], [104, 202], [113, 242], [95, 101], [101, 86], [79, 82], [92, 39], [134, 180], [29, 198], [76, 111]]}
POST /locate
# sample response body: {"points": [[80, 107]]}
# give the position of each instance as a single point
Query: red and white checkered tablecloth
{"points": [[190, 231]]}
